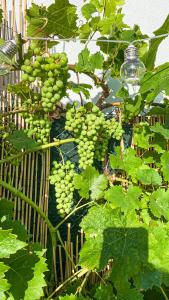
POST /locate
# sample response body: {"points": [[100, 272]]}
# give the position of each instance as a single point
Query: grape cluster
{"points": [[62, 178], [92, 132], [111, 128], [85, 123], [38, 128], [52, 72]]}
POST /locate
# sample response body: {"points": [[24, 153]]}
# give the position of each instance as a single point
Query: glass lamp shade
{"points": [[7, 52], [132, 70]]}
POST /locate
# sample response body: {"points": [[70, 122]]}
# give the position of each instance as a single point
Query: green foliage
{"points": [[165, 165], [20, 140], [90, 182], [58, 19], [127, 202], [154, 82], [159, 203], [150, 56], [88, 62], [37, 283], [149, 176]]}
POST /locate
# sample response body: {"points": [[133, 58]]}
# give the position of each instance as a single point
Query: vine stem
{"points": [[78, 274], [19, 194], [13, 112], [35, 149], [164, 294], [72, 212]]}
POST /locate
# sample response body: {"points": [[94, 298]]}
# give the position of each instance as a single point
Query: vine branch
{"points": [[35, 149]]}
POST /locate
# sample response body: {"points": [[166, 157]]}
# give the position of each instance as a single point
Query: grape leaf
{"points": [[149, 176], [159, 243], [9, 243], [159, 203], [87, 10], [21, 141], [156, 81], [109, 237], [148, 278], [4, 285], [37, 283], [142, 135], [23, 266], [37, 18], [58, 19], [87, 62], [165, 165], [20, 90], [6, 209], [160, 129], [150, 57], [124, 291], [90, 181], [115, 159], [104, 292], [127, 201], [129, 162], [62, 19]]}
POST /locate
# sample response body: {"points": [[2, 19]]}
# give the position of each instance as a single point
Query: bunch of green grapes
{"points": [[62, 177], [38, 128], [52, 72], [92, 132], [85, 123], [111, 129]]}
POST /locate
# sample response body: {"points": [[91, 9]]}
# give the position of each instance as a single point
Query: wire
{"points": [[96, 40], [75, 39]]}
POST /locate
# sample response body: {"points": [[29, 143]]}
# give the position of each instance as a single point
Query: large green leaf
{"points": [[165, 165], [9, 244], [91, 183], [155, 82], [4, 285], [149, 176], [126, 201], [124, 291], [26, 268], [58, 19], [160, 129], [37, 283], [88, 62], [108, 236], [21, 141], [150, 56], [159, 203], [104, 292], [87, 10], [129, 161]]}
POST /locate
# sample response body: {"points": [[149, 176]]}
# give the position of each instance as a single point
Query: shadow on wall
{"points": [[129, 250]]}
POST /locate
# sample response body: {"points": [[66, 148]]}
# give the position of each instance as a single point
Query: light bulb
{"points": [[7, 52], [132, 70]]}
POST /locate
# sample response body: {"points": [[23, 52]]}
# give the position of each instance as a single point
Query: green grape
{"points": [[53, 79], [62, 177], [39, 128], [92, 132]]}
